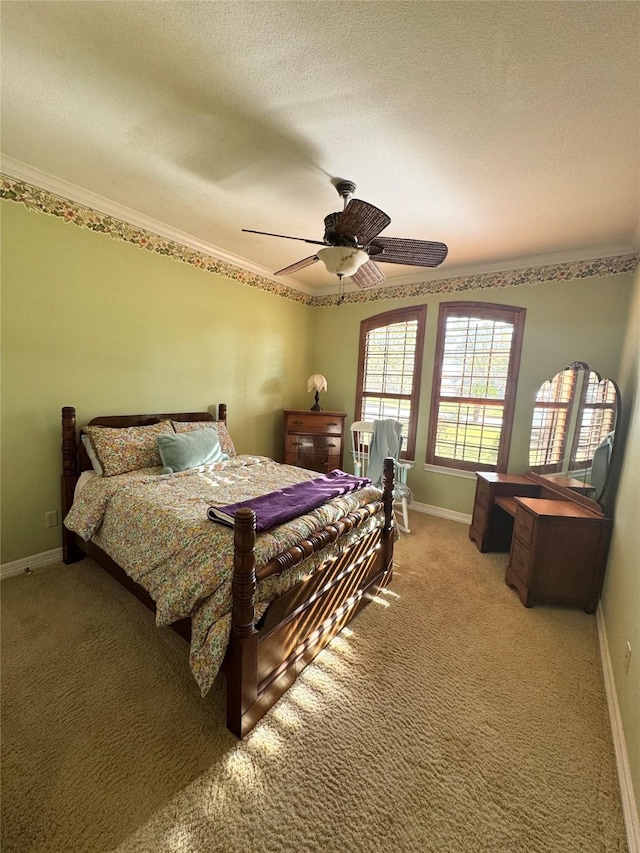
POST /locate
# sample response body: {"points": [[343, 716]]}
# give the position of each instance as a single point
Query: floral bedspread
{"points": [[155, 526]]}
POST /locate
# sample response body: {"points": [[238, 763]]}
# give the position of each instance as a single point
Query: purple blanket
{"points": [[277, 507]]}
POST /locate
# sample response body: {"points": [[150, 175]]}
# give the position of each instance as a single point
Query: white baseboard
{"points": [[429, 509], [35, 562], [629, 807]]}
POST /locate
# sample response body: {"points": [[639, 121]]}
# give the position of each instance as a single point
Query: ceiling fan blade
{"points": [[398, 250], [368, 275], [299, 265], [361, 220], [286, 237]]}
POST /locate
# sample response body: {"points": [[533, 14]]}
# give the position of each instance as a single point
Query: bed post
{"points": [[387, 499], [222, 412], [242, 672], [71, 553]]}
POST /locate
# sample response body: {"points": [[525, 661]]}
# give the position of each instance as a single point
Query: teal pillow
{"points": [[181, 451]]}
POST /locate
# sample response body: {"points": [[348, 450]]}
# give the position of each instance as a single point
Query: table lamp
{"points": [[316, 383]]}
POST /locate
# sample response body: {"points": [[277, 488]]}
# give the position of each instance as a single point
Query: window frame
{"points": [[513, 315], [390, 318]]}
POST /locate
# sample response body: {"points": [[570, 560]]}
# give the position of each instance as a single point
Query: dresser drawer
{"points": [[484, 494], [315, 452], [523, 526], [316, 444], [311, 423], [520, 560], [480, 514]]}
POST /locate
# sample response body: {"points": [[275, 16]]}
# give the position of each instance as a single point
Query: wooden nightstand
{"points": [[314, 440]]}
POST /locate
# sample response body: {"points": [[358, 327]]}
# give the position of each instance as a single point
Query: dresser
{"points": [[314, 440], [557, 539]]}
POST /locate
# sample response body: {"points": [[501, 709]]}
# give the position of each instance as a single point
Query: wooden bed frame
{"points": [[264, 659]]}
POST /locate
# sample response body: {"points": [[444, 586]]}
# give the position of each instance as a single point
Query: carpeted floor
{"points": [[449, 718]]}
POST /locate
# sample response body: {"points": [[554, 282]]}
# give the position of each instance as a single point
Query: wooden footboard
{"points": [[264, 659]]}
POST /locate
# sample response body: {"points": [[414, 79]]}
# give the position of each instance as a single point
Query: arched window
{"points": [[389, 370], [474, 385]]}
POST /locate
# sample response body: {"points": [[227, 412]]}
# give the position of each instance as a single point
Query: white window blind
{"points": [[551, 421], [478, 351], [390, 354], [598, 418], [475, 367], [389, 370]]}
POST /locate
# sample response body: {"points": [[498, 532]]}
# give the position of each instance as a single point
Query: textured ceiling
{"points": [[509, 131]]}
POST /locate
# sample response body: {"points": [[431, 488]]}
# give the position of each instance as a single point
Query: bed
{"points": [[257, 606]]}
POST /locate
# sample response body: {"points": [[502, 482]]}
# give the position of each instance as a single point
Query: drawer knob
{"points": [[297, 422], [332, 423]]}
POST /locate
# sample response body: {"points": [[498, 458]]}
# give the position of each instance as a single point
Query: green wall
{"points": [[113, 329], [621, 594], [567, 321]]}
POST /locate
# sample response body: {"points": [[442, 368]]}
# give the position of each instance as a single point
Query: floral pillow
{"points": [[127, 449], [226, 445]]}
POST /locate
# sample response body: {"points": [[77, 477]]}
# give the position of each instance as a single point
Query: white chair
{"points": [[361, 433]]}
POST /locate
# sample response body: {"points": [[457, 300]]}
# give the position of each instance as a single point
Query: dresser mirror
{"points": [[573, 430]]}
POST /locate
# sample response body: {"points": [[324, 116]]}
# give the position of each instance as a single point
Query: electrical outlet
{"points": [[627, 658], [51, 518]]}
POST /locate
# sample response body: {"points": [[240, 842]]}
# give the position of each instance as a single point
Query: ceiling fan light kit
{"points": [[351, 241], [342, 260]]}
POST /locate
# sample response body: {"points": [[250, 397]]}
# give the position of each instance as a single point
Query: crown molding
{"points": [[92, 201], [47, 194]]}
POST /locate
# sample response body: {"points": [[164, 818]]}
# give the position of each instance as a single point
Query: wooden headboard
{"points": [[74, 455]]}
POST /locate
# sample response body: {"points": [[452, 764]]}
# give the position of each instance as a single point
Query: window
{"points": [[389, 369], [474, 386], [551, 419]]}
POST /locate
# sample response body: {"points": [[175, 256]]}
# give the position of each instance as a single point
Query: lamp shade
{"points": [[317, 382], [342, 260]]}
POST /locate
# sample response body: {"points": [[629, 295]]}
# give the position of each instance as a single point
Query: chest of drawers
{"points": [[314, 440]]}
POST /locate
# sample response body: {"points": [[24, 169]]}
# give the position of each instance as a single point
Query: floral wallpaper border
{"points": [[482, 281], [44, 201]]}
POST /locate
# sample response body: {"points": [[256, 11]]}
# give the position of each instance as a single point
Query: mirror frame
{"points": [[572, 481]]}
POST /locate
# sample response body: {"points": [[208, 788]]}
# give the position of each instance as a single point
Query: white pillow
{"points": [[95, 462]]}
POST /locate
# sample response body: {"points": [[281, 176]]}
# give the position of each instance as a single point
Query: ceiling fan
{"points": [[352, 247]]}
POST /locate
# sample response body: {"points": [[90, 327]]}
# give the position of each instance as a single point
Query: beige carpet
{"points": [[450, 719]]}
